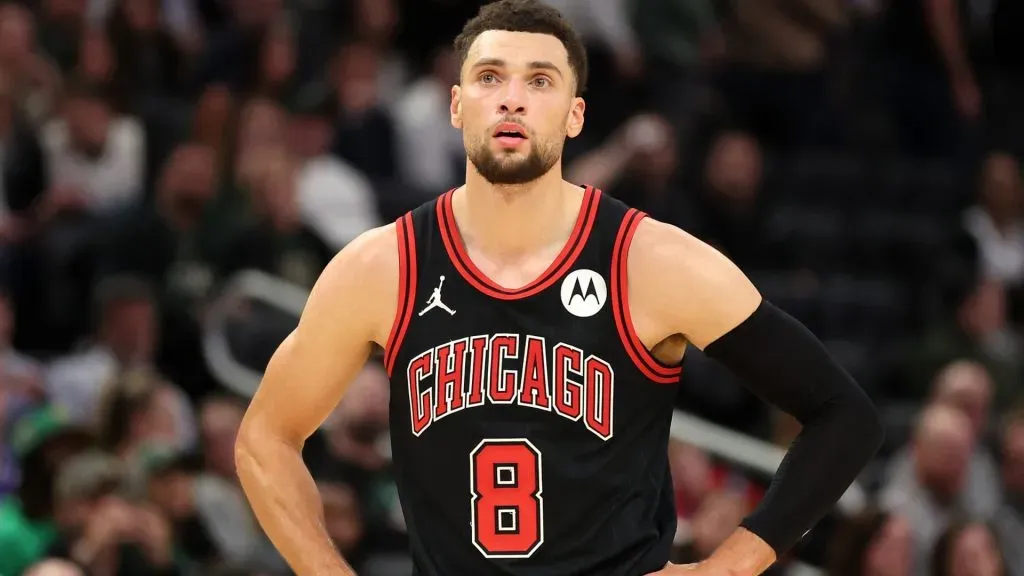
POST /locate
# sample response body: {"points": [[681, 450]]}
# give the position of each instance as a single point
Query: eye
{"points": [[488, 78], [541, 82]]}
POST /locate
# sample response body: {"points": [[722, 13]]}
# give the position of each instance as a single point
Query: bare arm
{"points": [[943, 20], [679, 285], [349, 308]]}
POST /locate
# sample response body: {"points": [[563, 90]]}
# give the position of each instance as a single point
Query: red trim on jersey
{"points": [[651, 367], [406, 288], [456, 249]]}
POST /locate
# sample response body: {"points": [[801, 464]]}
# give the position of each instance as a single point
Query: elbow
{"points": [[258, 442], [250, 443], [861, 422], [245, 449]]}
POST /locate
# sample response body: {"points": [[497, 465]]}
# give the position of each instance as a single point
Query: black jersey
{"points": [[529, 427]]}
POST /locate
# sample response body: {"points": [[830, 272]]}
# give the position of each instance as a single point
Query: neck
{"points": [[514, 219]]}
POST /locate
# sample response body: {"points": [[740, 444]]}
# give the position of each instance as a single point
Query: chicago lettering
{"points": [[511, 369]]}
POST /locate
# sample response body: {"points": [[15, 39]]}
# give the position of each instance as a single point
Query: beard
{"points": [[510, 168]]}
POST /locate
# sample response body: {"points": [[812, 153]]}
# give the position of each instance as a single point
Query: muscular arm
{"points": [[679, 285], [349, 308]]}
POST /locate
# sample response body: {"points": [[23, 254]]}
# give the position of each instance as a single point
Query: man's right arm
{"points": [[351, 306]]}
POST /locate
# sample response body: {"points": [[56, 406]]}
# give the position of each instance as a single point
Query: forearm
{"points": [[784, 364], [602, 167], [287, 504], [943, 22]]}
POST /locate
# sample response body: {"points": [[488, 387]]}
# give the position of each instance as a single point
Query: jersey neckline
{"points": [[456, 249]]}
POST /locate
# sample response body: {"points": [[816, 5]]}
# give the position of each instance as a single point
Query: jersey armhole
{"points": [[406, 289], [650, 366]]}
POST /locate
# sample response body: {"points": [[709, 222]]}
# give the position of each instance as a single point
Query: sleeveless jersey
{"points": [[529, 427]]}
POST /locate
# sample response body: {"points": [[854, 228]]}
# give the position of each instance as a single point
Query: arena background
{"points": [[175, 174]]}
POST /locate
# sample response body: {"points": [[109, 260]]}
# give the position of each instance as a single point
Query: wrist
{"points": [[742, 554]]}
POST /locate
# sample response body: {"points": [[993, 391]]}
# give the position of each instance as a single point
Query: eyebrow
{"points": [[535, 65]]}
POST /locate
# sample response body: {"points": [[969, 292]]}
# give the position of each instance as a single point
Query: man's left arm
{"points": [[679, 285]]}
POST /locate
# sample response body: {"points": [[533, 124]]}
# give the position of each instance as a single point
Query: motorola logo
{"points": [[584, 293]]}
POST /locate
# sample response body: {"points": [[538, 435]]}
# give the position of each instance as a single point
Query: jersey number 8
{"points": [[507, 507]]}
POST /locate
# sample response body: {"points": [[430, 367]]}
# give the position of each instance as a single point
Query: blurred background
{"points": [[175, 174]]}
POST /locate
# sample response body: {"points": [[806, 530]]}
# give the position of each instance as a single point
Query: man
{"points": [[530, 428]]}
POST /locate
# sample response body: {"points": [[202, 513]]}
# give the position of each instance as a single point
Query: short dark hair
{"points": [[114, 291], [526, 16]]}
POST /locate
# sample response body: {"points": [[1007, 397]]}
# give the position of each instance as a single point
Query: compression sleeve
{"points": [[780, 361]]}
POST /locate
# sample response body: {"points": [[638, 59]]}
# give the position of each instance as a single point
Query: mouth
{"points": [[510, 134]]}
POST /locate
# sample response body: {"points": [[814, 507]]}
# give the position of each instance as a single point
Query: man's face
{"points": [[515, 105], [88, 120], [132, 330]]}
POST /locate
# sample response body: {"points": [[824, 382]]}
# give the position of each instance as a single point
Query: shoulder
{"points": [[372, 257], [684, 285], [657, 246], [365, 276]]}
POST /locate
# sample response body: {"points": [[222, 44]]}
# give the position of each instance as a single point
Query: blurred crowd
{"points": [[858, 158]]}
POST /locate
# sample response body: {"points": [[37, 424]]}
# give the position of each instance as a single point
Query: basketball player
{"points": [[532, 391]]}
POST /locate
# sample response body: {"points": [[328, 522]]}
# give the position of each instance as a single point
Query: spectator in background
{"points": [[968, 549], [277, 242], [219, 419], [871, 544], [230, 68], [431, 157], [100, 529], [178, 17], [678, 38], [731, 206], [153, 60], [336, 201], [210, 517], [138, 409], [364, 134], [262, 126], [275, 65], [779, 51], [717, 517], [352, 449], [96, 59], [94, 165], [125, 337], [978, 330], [94, 158], [1009, 522], [639, 164], [31, 80], [995, 222], [61, 27], [943, 442], [691, 479], [615, 57], [42, 440], [21, 382], [343, 520], [170, 245], [964, 386]]}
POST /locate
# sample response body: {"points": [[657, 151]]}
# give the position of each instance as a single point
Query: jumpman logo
{"points": [[435, 300]]}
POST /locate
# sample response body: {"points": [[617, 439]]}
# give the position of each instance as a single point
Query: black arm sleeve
{"points": [[784, 364]]}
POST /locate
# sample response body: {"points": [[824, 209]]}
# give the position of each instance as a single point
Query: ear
{"points": [[456, 107], [574, 120]]}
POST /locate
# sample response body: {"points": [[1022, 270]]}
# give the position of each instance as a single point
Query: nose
{"points": [[513, 100]]}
